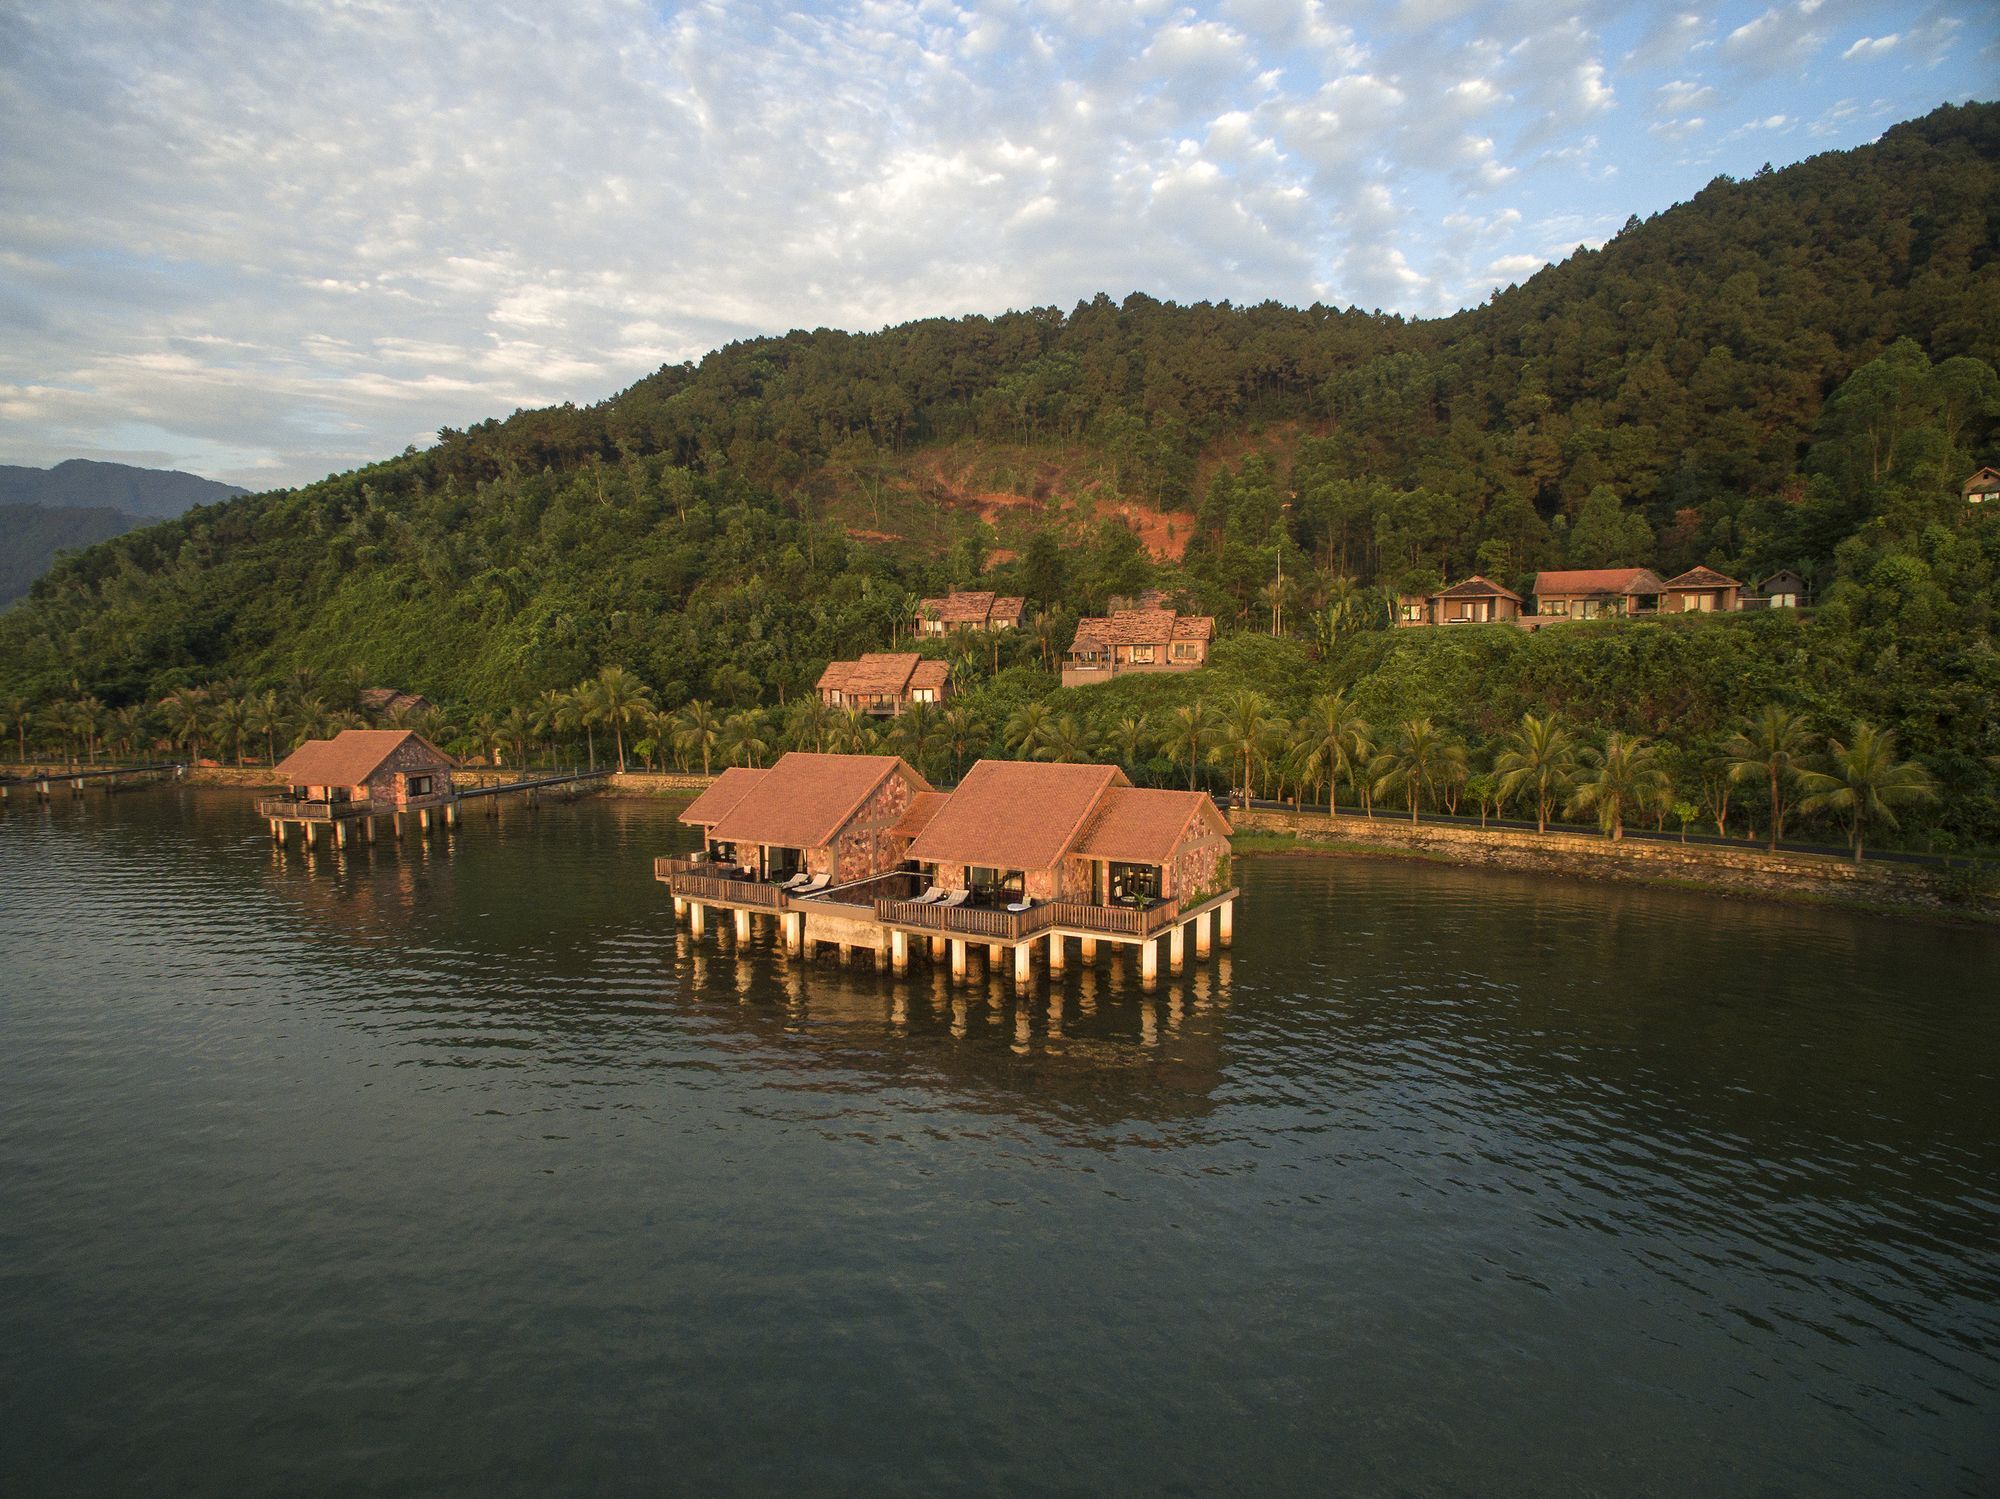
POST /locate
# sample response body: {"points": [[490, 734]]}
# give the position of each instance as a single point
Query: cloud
{"points": [[1869, 47]]}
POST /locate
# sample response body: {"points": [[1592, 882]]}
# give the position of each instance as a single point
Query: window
{"points": [[1185, 650], [1142, 655], [419, 786], [1552, 606], [923, 695]]}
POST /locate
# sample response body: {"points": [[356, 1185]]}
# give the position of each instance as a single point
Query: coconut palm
{"points": [[186, 713], [699, 731], [264, 715], [1330, 740], [1047, 627], [579, 711], [516, 728], [1130, 740], [1418, 758], [1537, 761], [1864, 779], [310, 720], [745, 739], [964, 733], [1026, 729], [127, 729], [1622, 778], [919, 734], [807, 723], [549, 716], [1770, 747], [1248, 734], [15, 712], [483, 736], [1065, 741], [1189, 734], [229, 719], [620, 699]]}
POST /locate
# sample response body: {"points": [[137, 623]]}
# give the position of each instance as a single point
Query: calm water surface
{"points": [[462, 1171]]}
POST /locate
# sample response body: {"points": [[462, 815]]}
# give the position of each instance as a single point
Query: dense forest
{"points": [[1794, 370]]}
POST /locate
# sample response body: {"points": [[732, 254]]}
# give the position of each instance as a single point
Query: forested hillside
{"points": [[44, 511], [1793, 370]]}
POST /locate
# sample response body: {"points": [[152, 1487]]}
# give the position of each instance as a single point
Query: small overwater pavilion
{"points": [[346, 782]]}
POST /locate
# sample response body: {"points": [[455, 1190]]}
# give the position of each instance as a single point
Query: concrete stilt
{"points": [[451, 814], [680, 906], [1089, 945], [1055, 952], [277, 831], [899, 950], [846, 951], [697, 917], [937, 949], [423, 819], [312, 831], [1149, 962], [1024, 963], [992, 956], [1203, 925], [1228, 920], [396, 823], [1177, 947], [795, 931], [742, 928], [370, 824], [958, 957], [340, 834]]}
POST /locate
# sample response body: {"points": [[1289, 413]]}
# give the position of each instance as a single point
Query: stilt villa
{"points": [[346, 782], [856, 851]]}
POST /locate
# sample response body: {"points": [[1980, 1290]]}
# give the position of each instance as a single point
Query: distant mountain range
{"points": [[44, 511]]}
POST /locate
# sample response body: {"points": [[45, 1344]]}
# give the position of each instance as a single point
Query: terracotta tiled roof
{"points": [[723, 793], [1477, 587], [1015, 814], [931, 674], [390, 701], [923, 807], [1126, 627], [1144, 826], [878, 672], [1194, 627], [349, 758], [1598, 580], [1986, 481], [1702, 577], [958, 608], [1009, 608], [805, 800]]}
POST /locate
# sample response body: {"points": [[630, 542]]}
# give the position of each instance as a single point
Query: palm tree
{"points": [[699, 732], [1330, 741], [485, 737], [310, 720], [1189, 734], [230, 719], [964, 732], [264, 715], [918, 734], [127, 729], [1864, 779], [15, 711], [1419, 757], [1065, 741], [1538, 760], [853, 732], [1772, 746], [1247, 733], [1625, 776], [1130, 740], [620, 698], [743, 738], [186, 714], [550, 716], [809, 720], [1046, 627], [580, 712], [1026, 728]]}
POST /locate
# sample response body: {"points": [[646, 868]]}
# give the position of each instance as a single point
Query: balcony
{"points": [[298, 810], [700, 880], [996, 924]]}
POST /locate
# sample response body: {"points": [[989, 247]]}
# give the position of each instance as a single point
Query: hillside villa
{"points": [[1597, 592], [969, 611], [859, 852], [392, 704], [1131, 640], [1476, 601], [357, 776], [885, 683], [1701, 590], [1982, 486]]}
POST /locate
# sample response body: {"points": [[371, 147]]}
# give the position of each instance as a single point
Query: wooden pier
{"points": [[44, 782], [354, 820]]}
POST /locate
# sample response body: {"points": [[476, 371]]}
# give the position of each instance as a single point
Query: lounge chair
{"points": [[956, 898], [931, 896], [1019, 906], [817, 882]]}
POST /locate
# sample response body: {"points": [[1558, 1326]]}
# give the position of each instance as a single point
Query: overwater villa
{"points": [[348, 781], [969, 611], [1136, 640], [885, 683], [857, 851]]}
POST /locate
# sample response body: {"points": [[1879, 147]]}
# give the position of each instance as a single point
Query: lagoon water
{"points": [[457, 1169]]}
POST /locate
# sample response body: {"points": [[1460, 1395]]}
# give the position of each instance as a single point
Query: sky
{"points": [[266, 240]]}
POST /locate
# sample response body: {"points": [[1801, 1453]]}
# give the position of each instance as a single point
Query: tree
{"points": [[1331, 740], [549, 716], [700, 731], [918, 734], [964, 732], [1189, 734], [1623, 777], [230, 719], [1026, 728], [1538, 760], [1770, 747], [1419, 757], [15, 712], [1065, 740], [1863, 779], [1129, 740], [619, 698], [743, 738], [186, 715], [266, 715], [1248, 733]]}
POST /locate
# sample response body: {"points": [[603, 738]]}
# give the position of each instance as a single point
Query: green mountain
{"points": [[1793, 370], [47, 511]]}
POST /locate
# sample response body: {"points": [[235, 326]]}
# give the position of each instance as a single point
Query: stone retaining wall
{"points": [[1743, 870]]}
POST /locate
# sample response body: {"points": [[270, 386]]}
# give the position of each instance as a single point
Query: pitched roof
{"points": [[1015, 814], [1009, 607], [931, 674], [805, 799], [1140, 627], [1477, 587], [884, 672], [1986, 481], [1143, 826], [723, 793], [923, 807], [958, 608], [391, 700], [349, 758], [1703, 577], [1599, 580], [1194, 627]]}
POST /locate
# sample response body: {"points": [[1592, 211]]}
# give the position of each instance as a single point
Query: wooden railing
{"points": [[1014, 926], [893, 884], [1128, 921], [305, 811], [752, 893], [670, 864]]}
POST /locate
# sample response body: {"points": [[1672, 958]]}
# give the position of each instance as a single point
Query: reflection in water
{"points": [[390, 1168]]}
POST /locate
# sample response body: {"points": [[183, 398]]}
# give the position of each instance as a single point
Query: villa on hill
{"points": [[1136, 640], [858, 851], [885, 683], [1982, 486], [1476, 601], [392, 703], [969, 611], [1597, 593], [1701, 590]]}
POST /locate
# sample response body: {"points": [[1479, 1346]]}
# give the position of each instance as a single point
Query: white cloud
{"points": [[1870, 47]]}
